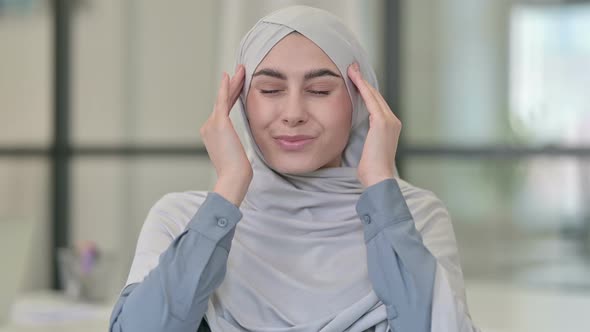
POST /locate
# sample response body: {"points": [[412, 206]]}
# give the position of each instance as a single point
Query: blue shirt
{"points": [[420, 294]]}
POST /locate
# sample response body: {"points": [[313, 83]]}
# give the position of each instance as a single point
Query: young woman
{"points": [[308, 227]]}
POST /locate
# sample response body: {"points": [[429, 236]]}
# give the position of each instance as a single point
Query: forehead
{"points": [[296, 52]]}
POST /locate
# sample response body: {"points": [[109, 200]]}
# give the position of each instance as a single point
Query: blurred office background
{"points": [[101, 102]]}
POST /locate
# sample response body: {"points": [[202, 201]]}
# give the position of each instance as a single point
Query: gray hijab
{"points": [[298, 257]]}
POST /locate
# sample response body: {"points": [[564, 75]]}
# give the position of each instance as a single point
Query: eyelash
{"points": [[265, 92], [315, 92], [318, 92]]}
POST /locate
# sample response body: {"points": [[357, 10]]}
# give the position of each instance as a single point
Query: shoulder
{"points": [[429, 212], [165, 221], [419, 199], [180, 204], [173, 211], [433, 222]]}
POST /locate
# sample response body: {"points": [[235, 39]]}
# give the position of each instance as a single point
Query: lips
{"points": [[294, 142]]}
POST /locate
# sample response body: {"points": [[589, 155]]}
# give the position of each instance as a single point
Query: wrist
{"points": [[233, 189], [375, 179]]}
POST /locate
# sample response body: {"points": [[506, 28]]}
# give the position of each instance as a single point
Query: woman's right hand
{"points": [[234, 172]]}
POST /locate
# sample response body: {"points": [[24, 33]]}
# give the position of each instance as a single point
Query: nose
{"points": [[294, 112]]}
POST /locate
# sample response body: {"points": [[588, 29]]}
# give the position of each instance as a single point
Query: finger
{"points": [[383, 106], [379, 97], [222, 95], [376, 94], [236, 79], [236, 84], [373, 105]]}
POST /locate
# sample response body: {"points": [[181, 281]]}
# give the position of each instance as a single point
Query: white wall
{"points": [[25, 119]]}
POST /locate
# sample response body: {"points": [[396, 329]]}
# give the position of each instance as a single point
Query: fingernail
{"points": [[356, 66]]}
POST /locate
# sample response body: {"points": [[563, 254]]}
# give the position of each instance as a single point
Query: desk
{"points": [[50, 311], [77, 327], [504, 307]]}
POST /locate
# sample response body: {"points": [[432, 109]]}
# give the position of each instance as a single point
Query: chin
{"points": [[294, 169], [290, 166]]}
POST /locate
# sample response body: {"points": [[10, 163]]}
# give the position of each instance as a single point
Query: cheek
{"points": [[259, 114], [341, 113], [340, 122], [253, 110]]}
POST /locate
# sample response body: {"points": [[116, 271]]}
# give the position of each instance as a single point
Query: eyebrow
{"points": [[309, 75]]}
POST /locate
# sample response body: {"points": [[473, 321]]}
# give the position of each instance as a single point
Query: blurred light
{"points": [[550, 72]]}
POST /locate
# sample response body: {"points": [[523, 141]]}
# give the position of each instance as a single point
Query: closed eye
{"points": [[269, 91], [319, 92]]}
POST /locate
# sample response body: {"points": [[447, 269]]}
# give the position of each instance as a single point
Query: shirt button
{"points": [[366, 219], [221, 222]]}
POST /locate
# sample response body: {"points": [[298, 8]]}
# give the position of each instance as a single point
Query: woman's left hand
{"points": [[378, 157]]}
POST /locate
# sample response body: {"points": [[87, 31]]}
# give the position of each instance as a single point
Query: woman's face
{"points": [[298, 107]]}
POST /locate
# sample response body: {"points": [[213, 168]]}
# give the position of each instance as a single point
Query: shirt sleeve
{"points": [[173, 296], [408, 273]]}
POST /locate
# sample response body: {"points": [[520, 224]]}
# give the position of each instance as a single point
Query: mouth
{"points": [[293, 143]]}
